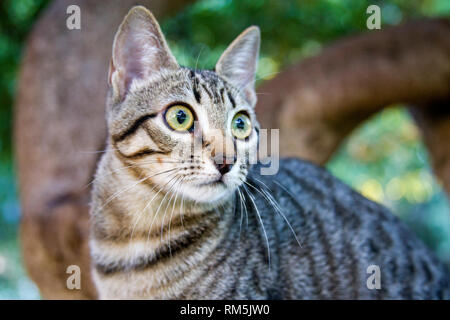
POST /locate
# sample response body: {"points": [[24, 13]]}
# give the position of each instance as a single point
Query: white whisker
{"points": [[271, 200], [260, 221], [159, 207], [116, 194]]}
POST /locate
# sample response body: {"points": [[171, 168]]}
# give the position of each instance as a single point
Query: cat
{"points": [[176, 215]]}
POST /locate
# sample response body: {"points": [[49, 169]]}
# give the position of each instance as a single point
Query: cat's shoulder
{"points": [[311, 185], [301, 174]]}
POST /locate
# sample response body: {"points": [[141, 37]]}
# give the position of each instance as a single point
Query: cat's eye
{"points": [[179, 118], [241, 126]]}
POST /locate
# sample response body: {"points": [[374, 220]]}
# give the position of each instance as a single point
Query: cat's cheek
{"points": [[231, 179]]}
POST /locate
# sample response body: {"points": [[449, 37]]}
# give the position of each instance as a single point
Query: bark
{"points": [[59, 123], [434, 120]]}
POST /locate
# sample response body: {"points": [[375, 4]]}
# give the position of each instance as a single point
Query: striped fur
{"points": [[225, 255], [167, 225]]}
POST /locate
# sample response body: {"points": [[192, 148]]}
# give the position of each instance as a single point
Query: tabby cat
{"points": [[175, 221]]}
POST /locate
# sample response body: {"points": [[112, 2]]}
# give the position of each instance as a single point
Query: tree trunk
{"points": [[59, 124], [434, 120]]}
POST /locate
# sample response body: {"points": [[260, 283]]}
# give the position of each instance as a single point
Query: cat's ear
{"points": [[139, 50], [239, 61]]}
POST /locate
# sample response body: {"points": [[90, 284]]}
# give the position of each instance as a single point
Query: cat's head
{"points": [[182, 130]]}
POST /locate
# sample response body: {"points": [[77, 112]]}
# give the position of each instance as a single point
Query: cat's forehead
{"points": [[214, 94]]}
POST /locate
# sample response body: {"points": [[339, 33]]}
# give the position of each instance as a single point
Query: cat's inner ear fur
{"points": [[139, 51], [239, 61]]}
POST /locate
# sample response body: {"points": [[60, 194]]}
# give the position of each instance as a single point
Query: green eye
{"points": [[241, 126], [179, 118]]}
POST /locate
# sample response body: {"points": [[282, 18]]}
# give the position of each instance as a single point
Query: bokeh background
{"points": [[388, 160]]}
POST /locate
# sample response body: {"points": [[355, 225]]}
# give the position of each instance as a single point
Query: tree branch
{"points": [[319, 101]]}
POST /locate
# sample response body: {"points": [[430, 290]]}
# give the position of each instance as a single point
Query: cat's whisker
{"points": [[260, 221], [198, 57], [173, 209], [159, 207], [284, 188], [168, 204], [269, 198], [130, 166], [242, 211], [159, 191], [118, 193], [145, 208], [245, 206], [148, 204], [182, 211]]}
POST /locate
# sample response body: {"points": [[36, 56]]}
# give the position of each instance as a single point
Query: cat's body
{"points": [[168, 223], [226, 257]]}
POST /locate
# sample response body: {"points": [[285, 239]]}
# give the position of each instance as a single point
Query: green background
{"points": [[388, 159]]}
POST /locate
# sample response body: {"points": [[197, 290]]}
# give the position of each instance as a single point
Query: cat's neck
{"points": [[137, 228]]}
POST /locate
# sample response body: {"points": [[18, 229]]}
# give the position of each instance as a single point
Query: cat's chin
{"points": [[211, 194]]}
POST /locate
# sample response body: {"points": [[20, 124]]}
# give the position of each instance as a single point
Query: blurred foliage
{"points": [[16, 20], [388, 160], [290, 30]]}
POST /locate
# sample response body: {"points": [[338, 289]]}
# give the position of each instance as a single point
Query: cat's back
{"points": [[350, 247]]}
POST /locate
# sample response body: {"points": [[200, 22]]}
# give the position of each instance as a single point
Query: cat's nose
{"points": [[223, 163]]}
